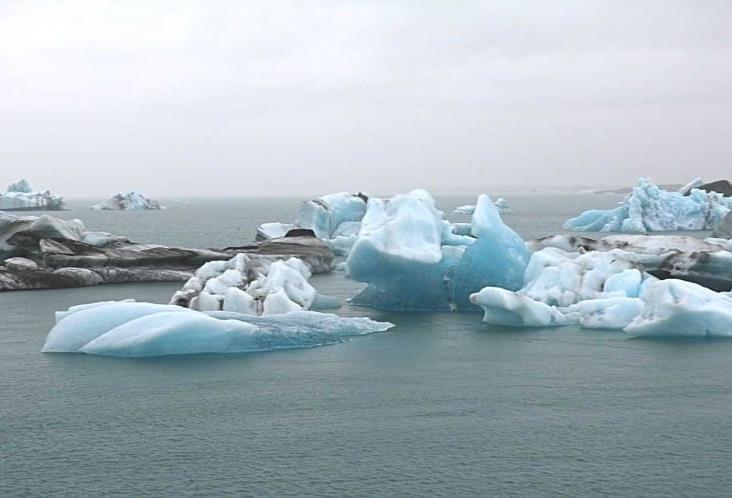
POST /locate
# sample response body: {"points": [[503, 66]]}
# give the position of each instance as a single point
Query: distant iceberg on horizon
{"points": [[129, 201], [649, 208], [20, 196]]}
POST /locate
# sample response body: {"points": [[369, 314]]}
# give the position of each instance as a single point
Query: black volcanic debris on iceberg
{"points": [[47, 252]]}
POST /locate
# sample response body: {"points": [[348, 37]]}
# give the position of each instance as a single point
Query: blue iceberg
{"points": [[134, 330], [414, 260], [649, 208]]}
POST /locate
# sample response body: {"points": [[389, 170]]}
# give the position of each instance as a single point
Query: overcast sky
{"points": [[307, 97]]}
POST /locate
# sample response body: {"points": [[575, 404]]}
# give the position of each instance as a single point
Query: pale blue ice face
{"points": [[144, 329], [651, 209], [412, 259], [325, 215]]}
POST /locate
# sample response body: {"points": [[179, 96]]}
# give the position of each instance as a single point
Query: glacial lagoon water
{"points": [[441, 405]]}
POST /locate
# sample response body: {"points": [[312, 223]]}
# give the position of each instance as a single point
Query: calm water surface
{"points": [[442, 404]]}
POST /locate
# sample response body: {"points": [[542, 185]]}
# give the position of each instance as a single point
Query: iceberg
{"points": [[17, 232], [250, 285], [606, 290], [707, 262], [500, 203], [20, 196], [267, 231], [42, 252], [129, 201], [412, 259], [333, 218], [649, 208], [593, 289], [136, 330], [675, 308]]}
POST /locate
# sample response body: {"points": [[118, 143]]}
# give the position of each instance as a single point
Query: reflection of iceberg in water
{"points": [[130, 329]]}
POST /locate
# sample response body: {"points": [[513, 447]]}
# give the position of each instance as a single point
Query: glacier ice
{"points": [[21, 196], [500, 203], [593, 289], [649, 208], [412, 259], [606, 290], [132, 200], [612, 313], [679, 308], [464, 209], [325, 214], [275, 230], [504, 307], [251, 285], [48, 227], [333, 218], [133, 330]]}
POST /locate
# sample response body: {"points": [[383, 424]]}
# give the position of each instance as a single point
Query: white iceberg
{"points": [[649, 208], [19, 196], [674, 308], [464, 209], [500, 203], [267, 231], [129, 201], [333, 218], [252, 285], [134, 330], [412, 259], [593, 289], [605, 290]]}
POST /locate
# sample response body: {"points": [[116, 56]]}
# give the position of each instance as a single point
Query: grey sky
{"points": [[306, 97]]}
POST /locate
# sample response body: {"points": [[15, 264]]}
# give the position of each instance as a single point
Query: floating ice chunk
{"points": [[626, 283], [333, 218], [20, 196], [649, 208], [78, 326], [239, 301], [562, 278], [324, 215], [277, 301], [218, 282], [21, 186], [205, 301], [128, 201], [696, 182], [504, 307], [501, 204], [111, 329], [679, 308], [411, 258], [465, 209], [613, 313], [267, 231]]}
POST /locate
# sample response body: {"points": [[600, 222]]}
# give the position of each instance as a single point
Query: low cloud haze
{"points": [[274, 97]]}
